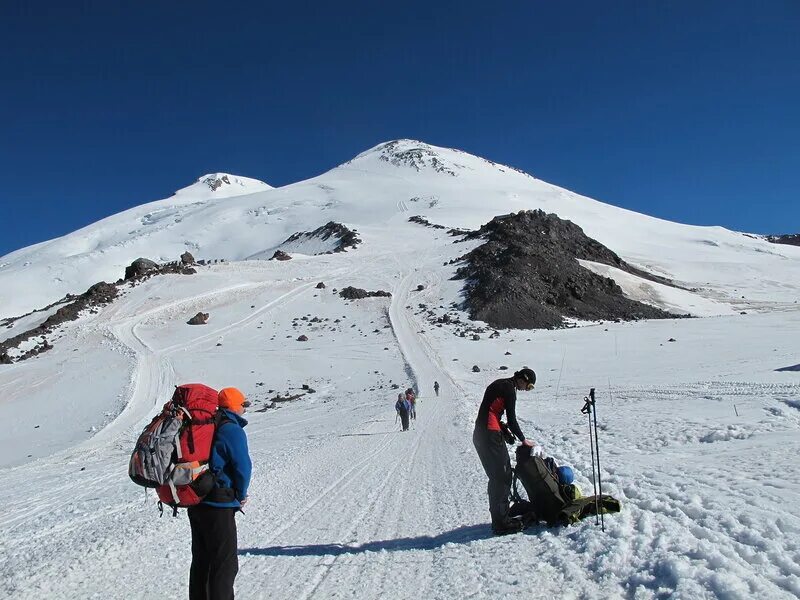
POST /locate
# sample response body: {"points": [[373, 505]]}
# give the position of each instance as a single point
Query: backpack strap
{"points": [[514, 491]]}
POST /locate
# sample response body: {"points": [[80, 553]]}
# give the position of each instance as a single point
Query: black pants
{"points": [[404, 419], [494, 457], [214, 553]]}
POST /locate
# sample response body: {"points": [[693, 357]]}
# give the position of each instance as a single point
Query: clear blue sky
{"points": [[687, 110]]}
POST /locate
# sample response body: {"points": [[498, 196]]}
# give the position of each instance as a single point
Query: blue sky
{"points": [[683, 110]]}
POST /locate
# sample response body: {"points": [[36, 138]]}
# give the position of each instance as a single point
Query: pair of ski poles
{"points": [[588, 409]]}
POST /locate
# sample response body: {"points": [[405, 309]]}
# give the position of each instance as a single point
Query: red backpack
{"points": [[172, 452]]}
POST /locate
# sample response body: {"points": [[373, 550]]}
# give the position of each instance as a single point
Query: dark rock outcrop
{"points": [[144, 268], [526, 275], [140, 267], [792, 239], [280, 255], [200, 318], [187, 258], [348, 238], [99, 294], [353, 293], [320, 286], [420, 220]]}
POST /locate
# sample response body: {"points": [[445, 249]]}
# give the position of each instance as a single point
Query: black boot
{"points": [[507, 527]]}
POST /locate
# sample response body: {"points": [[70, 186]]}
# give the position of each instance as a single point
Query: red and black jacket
{"points": [[500, 397]]}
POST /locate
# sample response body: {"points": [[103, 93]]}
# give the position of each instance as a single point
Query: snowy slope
{"points": [[384, 186], [698, 435]]}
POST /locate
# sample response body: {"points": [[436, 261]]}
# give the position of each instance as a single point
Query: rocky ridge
{"points": [[527, 276]]}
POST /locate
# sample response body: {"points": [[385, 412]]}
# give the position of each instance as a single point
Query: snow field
{"points": [[344, 505], [698, 436]]}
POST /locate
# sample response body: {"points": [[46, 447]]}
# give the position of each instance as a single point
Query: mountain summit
{"points": [[223, 185], [375, 194]]}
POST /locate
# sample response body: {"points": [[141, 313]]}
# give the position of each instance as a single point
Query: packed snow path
{"points": [[344, 505]]}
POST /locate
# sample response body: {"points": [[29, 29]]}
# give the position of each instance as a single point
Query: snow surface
{"points": [[698, 436]]}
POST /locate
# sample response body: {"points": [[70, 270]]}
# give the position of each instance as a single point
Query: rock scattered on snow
{"points": [[140, 267], [200, 318], [353, 293], [280, 255]]}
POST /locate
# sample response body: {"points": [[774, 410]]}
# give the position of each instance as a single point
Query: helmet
{"points": [[526, 374], [565, 475]]}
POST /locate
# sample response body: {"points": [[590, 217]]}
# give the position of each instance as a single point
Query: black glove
{"points": [[507, 435]]}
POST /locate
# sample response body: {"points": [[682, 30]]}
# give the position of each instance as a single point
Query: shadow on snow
{"points": [[461, 535]]}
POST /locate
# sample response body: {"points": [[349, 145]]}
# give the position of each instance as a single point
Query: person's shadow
{"points": [[461, 535]]}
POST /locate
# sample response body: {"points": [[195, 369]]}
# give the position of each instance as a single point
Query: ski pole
{"points": [[597, 452], [587, 410]]}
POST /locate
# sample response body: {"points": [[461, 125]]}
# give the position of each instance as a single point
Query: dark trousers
{"points": [[214, 553], [404, 419], [494, 457]]}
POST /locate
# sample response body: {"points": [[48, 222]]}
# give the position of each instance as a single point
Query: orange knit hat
{"points": [[232, 399]]}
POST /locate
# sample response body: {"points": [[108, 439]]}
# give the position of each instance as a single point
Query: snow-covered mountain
{"points": [[698, 417], [375, 193]]}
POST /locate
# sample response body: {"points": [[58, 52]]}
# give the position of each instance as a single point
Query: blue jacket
{"points": [[230, 459], [402, 406]]}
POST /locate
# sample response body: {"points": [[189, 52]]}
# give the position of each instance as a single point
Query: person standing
{"points": [[403, 409], [412, 403], [500, 397], [436, 387], [215, 561]]}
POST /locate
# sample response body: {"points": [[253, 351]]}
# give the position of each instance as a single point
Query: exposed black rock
{"points": [[99, 294], [302, 338], [353, 293], [419, 157], [280, 255], [320, 285], [200, 318], [144, 268], [527, 275], [187, 258], [420, 220], [423, 221], [139, 267], [793, 239], [347, 238], [476, 369]]}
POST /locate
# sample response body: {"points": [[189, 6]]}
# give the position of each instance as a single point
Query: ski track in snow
{"points": [[344, 505]]}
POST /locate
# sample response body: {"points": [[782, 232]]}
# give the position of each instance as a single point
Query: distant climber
{"points": [[411, 397], [436, 387], [403, 408], [500, 397]]}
